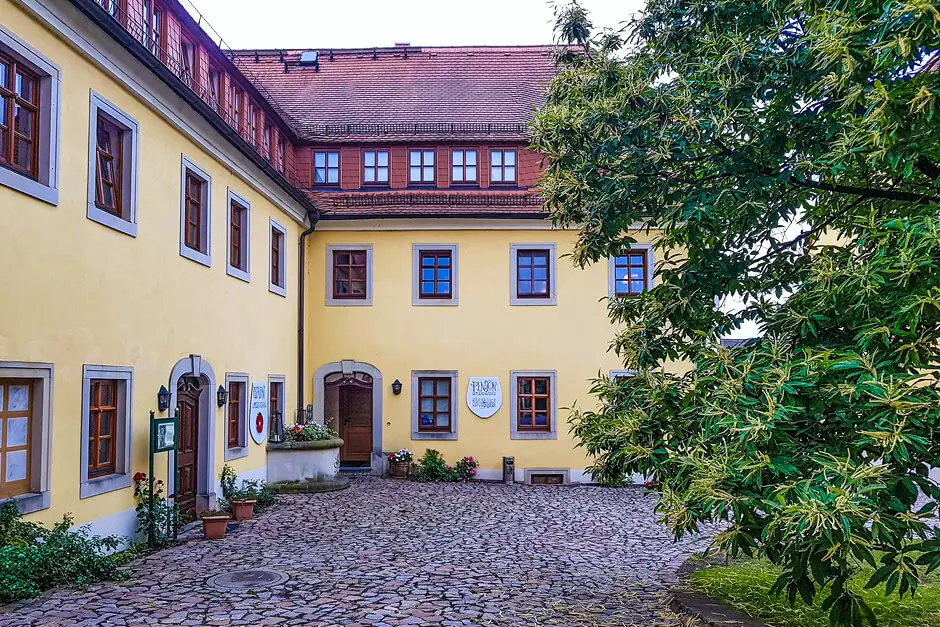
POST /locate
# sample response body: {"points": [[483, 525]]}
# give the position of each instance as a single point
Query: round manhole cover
{"points": [[247, 579]]}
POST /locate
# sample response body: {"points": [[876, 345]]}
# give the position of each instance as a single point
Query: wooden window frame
{"points": [[154, 28], [196, 212], [233, 433], [189, 70], [193, 236], [124, 134], [518, 280], [349, 266], [422, 165], [533, 397], [281, 152], [436, 428], [114, 155], [237, 255], [436, 254], [502, 167], [327, 168], [95, 411], [23, 486], [463, 165], [644, 266], [9, 100], [376, 168], [277, 264]]}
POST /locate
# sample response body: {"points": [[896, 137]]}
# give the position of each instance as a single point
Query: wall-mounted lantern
{"points": [[309, 412], [396, 387], [221, 396], [163, 399]]}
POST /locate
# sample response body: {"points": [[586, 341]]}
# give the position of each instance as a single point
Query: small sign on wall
{"points": [[484, 396], [258, 415]]}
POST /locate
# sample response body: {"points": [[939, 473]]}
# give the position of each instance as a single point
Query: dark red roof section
{"points": [[406, 91], [428, 204]]}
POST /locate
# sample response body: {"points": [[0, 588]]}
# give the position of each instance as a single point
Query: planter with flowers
{"points": [[214, 524], [306, 461], [399, 463]]}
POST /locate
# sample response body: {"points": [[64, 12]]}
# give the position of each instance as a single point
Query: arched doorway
{"points": [[192, 391], [187, 459], [363, 397], [348, 400]]}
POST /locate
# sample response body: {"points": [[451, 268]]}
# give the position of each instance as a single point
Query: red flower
{"points": [[140, 476]]}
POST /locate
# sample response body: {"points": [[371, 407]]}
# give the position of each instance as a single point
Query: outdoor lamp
{"points": [[221, 396], [396, 387], [163, 399]]}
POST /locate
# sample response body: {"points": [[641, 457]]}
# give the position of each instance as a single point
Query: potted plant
{"points": [[240, 500], [214, 524], [399, 464]]}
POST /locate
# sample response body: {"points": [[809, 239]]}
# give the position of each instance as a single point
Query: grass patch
{"points": [[745, 585]]}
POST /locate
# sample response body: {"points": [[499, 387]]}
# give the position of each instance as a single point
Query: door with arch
{"points": [[187, 456], [348, 401]]}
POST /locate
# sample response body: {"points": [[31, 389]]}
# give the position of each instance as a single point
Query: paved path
{"points": [[386, 552]]}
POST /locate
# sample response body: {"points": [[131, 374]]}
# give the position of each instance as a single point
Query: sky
{"points": [[369, 23]]}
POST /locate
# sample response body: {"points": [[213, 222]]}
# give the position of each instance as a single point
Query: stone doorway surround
{"points": [[200, 369], [349, 367]]}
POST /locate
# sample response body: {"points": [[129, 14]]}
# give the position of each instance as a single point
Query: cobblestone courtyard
{"points": [[403, 553]]}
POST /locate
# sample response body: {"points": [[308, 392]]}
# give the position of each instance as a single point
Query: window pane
{"points": [[428, 174], [415, 174], [427, 420], [17, 431], [471, 173], [333, 159], [443, 405], [332, 176], [427, 386], [525, 403], [510, 157], [636, 273], [105, 421], [23, 120], [497, 157], [443, 420], [415, 157], [427, 287], [541, 386], [16, 466], [443, 388], [457, 173], [541, 403], [471, 157], [636, 286], [369, 158], [443, 287], [342, 258], [427, 404], [636, 260], [383, 158], [4, 74], [19, 398], [496, 175], [383, 174], [510, 173], [525, 386], [458, 157], [319, 159], [368, 176], [104, 451], [319, 176], [428, 157], [541, 419], [443, 274], [25, 88]]}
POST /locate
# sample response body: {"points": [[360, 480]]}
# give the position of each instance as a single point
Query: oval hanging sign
{"points": [[484, 396], [259, 412]]}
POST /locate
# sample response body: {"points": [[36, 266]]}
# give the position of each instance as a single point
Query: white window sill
{"points": [[26, 185], [33, 502], [235, 453], [427, 435], [110, 220], [195, 255], [103, 485]]}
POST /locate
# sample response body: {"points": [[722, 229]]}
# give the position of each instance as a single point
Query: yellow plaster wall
{"points": [[482, 336], [75, 292]]}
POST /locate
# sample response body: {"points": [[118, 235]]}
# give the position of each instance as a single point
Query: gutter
{"points": [[314, 216]]}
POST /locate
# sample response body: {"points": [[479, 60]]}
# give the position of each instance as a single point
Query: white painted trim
{"points": [[107, 54], [416, 299], [46, 188], [280, 290], [351, 302], [440, 224], [514, 299], [378, 394], [646, 249], [417, 434], [199, 256], [242, 449], [43, 375], [129, 163], [124, 431], [514, 433], [245, 275]]}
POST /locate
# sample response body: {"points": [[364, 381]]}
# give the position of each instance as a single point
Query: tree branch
{"points": [[929, 169]]}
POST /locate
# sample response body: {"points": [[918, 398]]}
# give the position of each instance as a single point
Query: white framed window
{"points": [[434, 275], [26, 422], [349, 275], [112, 166], [29, 117], [631, 272], [421, 167], [502, 167], [375, 167], [463, 166], [434, 402], [238, 234], [533, 405], [277, 401], [107, 405], [533, 274], [277, 282], [195, 213], [236, 415], [326, 167]]}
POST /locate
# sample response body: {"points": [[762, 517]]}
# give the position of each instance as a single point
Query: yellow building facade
{"points": [[174, 218]]}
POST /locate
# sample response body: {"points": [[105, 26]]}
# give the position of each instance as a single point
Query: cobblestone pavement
{"points": [[386, 552]]}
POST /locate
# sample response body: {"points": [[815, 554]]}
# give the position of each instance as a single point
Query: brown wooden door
{"points": [[355, 414], [187, 457]]}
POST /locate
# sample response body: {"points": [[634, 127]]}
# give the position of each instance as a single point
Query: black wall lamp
{"points": [[221, 396], [396, 387], [163, 399]]}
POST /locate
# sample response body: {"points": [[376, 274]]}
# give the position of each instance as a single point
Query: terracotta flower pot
{"points": [[243, 510], [399, 470], [213, 527]]}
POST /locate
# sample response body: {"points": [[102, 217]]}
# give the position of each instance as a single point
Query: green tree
{"points": [[787, 154]]}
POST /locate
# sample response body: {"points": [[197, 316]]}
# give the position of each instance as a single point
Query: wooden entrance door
{"points": [[187, 456], [355, 417]]}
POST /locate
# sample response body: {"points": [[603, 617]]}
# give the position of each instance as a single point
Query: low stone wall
{"points": [[290, 462]]}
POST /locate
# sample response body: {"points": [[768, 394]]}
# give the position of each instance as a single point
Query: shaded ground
{"points": [[386, 552]]}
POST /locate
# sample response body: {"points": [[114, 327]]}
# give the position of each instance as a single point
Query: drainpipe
{"points": [[313, 215]]}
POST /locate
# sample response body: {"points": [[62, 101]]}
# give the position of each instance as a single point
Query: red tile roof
{"points": [[404, 92], [428, 203]]}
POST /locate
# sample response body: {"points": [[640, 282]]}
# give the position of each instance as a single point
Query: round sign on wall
{"points": [[484, 396], [258, 417]]}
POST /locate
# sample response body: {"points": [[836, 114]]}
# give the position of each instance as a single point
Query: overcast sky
{"points": [[367, 23]]}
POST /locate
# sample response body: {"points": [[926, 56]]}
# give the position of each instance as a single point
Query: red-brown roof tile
{"points": [[428, 203], [406, 92]]}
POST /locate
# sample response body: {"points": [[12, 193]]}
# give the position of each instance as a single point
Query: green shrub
{"points": [[250, 489], [433, 467], [33, 558]]}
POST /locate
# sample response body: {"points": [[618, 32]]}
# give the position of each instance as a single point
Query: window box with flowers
{"points": [[308, 455], [399, 464]]}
